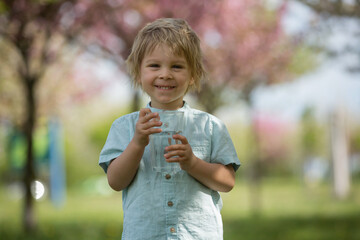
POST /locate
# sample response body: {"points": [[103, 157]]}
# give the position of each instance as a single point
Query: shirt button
{"points": [[170, 203], [172, 230], [167, 176]]}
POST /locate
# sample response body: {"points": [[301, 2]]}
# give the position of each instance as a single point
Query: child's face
{"points": [[165, 77]]}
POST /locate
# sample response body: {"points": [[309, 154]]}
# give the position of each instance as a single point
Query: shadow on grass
{"points": [[65, 231], [294, 228], [257, 228]]}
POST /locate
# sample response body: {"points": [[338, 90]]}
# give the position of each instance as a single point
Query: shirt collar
{"points": [[182, 109]]}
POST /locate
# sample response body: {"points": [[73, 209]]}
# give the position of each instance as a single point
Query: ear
{"points": [[191, 82], [138, 81]]}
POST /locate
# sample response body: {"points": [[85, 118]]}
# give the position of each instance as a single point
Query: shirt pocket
{"points": [[202, 151]]}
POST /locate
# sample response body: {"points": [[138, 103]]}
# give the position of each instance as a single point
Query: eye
{"points": [[154, 65], [178, 66]]}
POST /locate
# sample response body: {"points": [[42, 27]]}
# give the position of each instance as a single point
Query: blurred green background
{"points": [[283, 76]]}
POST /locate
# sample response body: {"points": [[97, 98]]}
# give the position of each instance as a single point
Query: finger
{"points": [[152, 131], [154, 116], [182, 138], [143, 114], [151, 124], [175, 147], [144, 111], [173, 154], [173, 159], [146, 116], [145, 127]]}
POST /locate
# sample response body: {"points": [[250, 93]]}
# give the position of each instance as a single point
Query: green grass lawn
{"points": [[287, 210]]}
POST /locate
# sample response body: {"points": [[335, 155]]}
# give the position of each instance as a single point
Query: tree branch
{"points": [[338, 8]]}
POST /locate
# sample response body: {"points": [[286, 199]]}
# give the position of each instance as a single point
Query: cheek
{"points": [[143, 77]]}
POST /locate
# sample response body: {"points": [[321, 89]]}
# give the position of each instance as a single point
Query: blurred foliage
{"points": [[84, 139], [314, 135], [100, 128], [354, 139], [303, 61], [335, 15], [335, 7]]}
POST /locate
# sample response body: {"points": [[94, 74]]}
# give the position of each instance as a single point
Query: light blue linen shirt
{"points": [[166, 205]]}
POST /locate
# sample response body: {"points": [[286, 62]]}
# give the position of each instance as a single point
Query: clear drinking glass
{"points": [[173, 123]]}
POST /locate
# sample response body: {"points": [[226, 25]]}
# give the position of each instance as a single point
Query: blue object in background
{"points": [[56, 163]]}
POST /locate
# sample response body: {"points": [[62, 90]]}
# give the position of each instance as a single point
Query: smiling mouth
{"points": [[165, 87]]}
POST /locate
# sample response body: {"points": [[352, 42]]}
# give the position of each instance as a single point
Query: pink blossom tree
{"points": [[243, 42], [33, 38]]}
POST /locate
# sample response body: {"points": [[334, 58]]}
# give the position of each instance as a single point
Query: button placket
{"points": [[168, 187]]}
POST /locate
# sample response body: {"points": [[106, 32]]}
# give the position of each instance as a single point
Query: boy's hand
{"points": [[145, 126], [181, 153]]}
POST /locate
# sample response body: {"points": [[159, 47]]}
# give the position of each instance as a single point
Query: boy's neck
{"points": [[168, 107]]}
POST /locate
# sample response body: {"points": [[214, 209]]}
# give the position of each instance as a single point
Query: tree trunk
{"points": [[255, 178], [135, 101], [255, 171], [340, 158], [29, 171], [255, 183]]}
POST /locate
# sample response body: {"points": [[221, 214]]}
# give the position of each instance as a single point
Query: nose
{"points": [[165, 73]]}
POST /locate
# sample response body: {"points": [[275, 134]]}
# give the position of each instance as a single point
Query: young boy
{"points": [[166, 62]]}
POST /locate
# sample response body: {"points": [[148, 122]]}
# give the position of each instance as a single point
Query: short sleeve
{"points": [[222, 147], [118, 138]]}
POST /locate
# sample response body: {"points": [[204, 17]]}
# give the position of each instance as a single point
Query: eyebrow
{"points": [[157, 60]]}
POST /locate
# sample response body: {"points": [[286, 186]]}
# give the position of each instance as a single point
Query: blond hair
{"points": [[178, 36]]}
